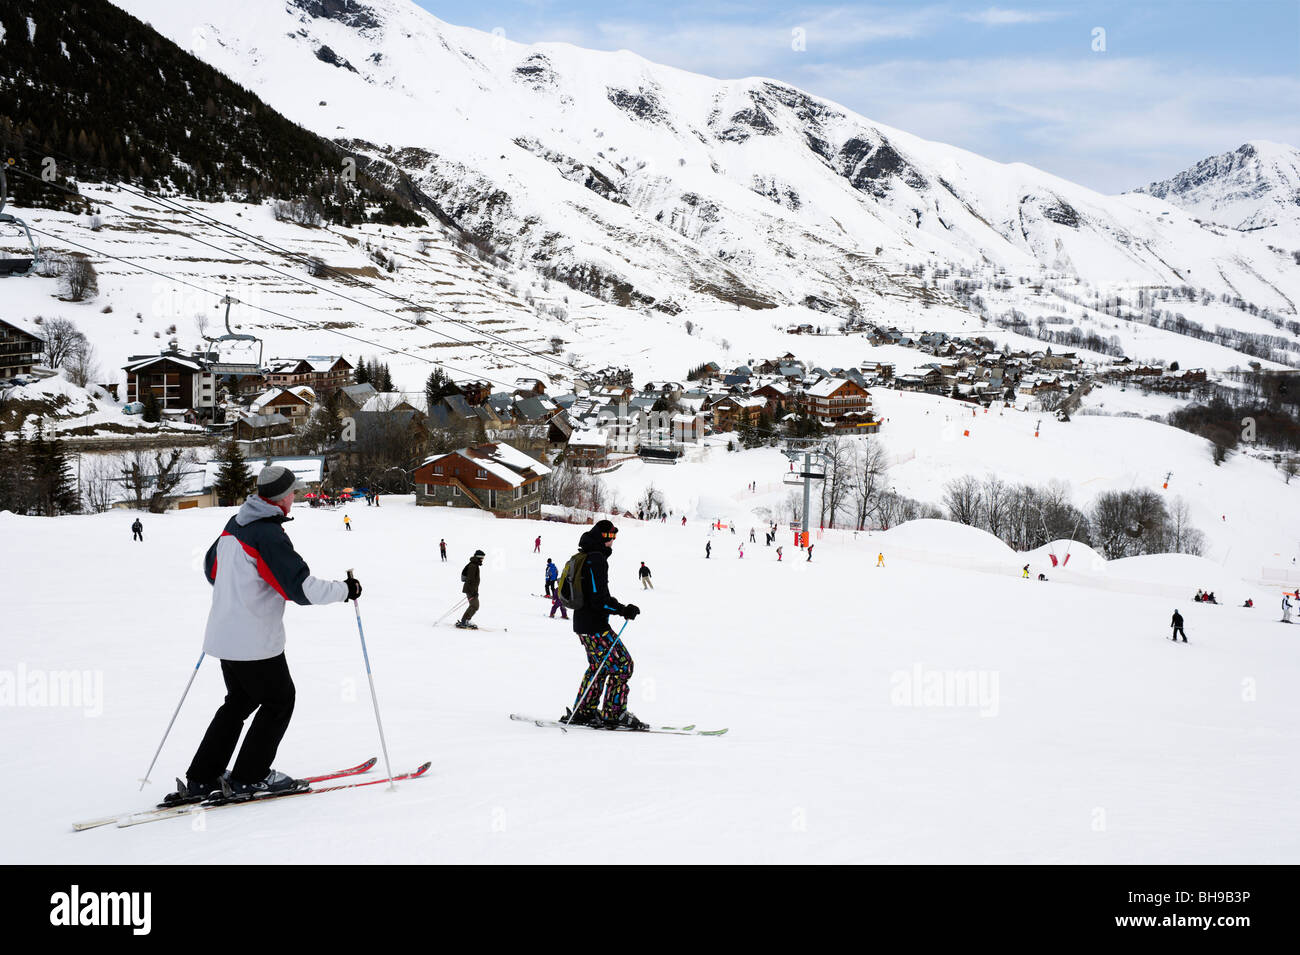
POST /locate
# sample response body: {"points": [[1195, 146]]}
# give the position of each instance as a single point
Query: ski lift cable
{"points": [[313, 285], [320, 288], [235, 231], [342, 276], [16, 267], [268, 311]]}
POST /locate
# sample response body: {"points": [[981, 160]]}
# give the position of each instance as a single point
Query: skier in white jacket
{"points": [[254, 571]]}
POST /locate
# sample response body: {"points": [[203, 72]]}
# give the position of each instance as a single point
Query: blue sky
{"points": [[1018, 82]]}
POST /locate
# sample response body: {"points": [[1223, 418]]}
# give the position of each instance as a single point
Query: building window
{"points": [[481, 474]]}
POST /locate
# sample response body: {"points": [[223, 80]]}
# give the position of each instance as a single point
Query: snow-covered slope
{"points": [[921, 712], [1254, 187], [651, 186]]}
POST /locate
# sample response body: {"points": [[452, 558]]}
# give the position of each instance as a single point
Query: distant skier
{"points": [[1177, 623], [708, 549], [537, 545], [254, 570], [1286, 608], [810, 547], [880, 560], [778, 555], [469, 579], [552, 575], [137, 531], [742, 551], [683, 520], [609, 665], [644, 574], [557, 605], [442, 550], [347, 522], [1025, 572], [752, 538]]}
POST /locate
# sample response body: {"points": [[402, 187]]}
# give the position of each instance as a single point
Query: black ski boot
{"points": [[466, 625], [276, 783], [582, 718], [625, 721]]}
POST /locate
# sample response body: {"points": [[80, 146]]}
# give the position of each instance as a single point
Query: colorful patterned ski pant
{"points": [[613, 678]]}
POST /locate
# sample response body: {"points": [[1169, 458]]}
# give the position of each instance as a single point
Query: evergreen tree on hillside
{"points": [[15, 475], [361, 374], [53, 484], [438, 386], [152, 407], [234, 479], [383, 378]]}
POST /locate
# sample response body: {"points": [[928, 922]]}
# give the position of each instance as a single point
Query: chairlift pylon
{"points": [[16, 266], [218, 367]]}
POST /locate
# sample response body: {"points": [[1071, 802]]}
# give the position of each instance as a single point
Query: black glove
{"points": [[354, 589], [631, 611]]}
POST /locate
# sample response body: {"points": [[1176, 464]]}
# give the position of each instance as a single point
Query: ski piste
{"points": [[688, 730], [173, 811], [337, 774]]}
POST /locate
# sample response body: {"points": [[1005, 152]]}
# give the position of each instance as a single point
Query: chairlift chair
{"points": [[10, 267], [218, 367]]}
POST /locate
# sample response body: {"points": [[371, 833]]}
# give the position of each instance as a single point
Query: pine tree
{"points": [[361, 374], [438, 386], [234, 479], [383, 378], [54, 488]]}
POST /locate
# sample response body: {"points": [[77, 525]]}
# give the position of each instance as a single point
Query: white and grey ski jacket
{"points": [[254, 570]]}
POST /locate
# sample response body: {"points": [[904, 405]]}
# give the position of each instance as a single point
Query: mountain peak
{"points": [[1255, 186]]}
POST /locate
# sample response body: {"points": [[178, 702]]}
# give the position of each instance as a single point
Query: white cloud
{"points": [[1110, 123], [997, 16]]}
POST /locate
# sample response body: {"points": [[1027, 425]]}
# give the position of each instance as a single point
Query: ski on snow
{"points": [[106, 820], [689, 730], [172, 811]]}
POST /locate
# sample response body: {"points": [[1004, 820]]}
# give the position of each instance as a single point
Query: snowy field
{"points": [[1086, 736]]}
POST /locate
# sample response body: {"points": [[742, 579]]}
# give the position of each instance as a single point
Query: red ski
{"points": [[168, 813], [337, 774]]}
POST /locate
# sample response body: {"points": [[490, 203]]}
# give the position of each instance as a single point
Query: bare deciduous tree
{"points": [[962, 498], [80, 281], [62, 339]]}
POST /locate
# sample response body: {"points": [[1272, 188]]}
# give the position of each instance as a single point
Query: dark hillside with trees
{"points": [[110, 99]]}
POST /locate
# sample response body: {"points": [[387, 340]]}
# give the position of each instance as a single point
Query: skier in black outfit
{"points": [[254, 571], [137, 531], [470, 577], [609, 665], [644, 573], [1177, 624]]}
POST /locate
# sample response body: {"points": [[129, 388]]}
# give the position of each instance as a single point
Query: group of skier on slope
{"points": [[254, 571]]}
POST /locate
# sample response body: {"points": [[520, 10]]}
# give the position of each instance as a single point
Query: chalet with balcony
{"points": [[493, 477]]}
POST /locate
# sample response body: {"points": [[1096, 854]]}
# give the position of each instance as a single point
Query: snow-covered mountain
{"points": [[1254, 187], [651, 186]]}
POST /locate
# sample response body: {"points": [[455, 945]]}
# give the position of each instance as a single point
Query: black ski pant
{"points": [[1177, 632], [261, 685], [471, 609]]}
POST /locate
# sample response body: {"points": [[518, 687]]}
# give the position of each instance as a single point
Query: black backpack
{"points": [[569, 584]]}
